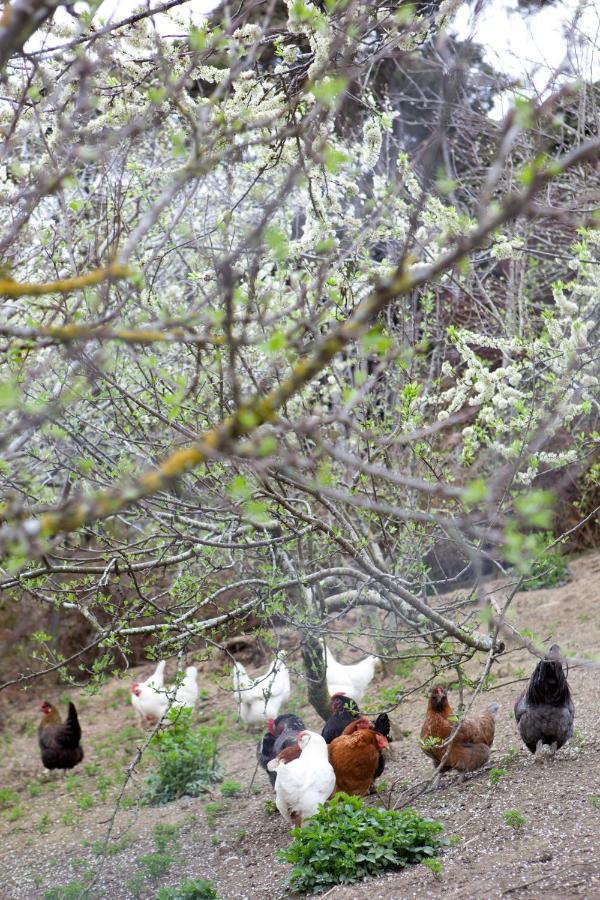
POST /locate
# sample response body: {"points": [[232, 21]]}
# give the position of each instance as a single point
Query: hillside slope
{"points": [[52, 828]]}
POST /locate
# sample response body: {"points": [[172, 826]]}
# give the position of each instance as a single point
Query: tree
{"points": [[259, 360]]}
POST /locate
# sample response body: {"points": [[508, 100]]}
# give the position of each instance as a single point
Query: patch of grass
{"points": [[156, 864], [213, 809], [578, 739], [513, 818], [86, 801], [44, 824], [190, 889], [34, 789], [73, 890], [594, 801], [347, 841], [68, 817], [102, 785], [270, 807], [231, 788], [8, 797], [16, 812], [165, 835], [71, 783], [496, 775], [185, 758], [92, 769]]}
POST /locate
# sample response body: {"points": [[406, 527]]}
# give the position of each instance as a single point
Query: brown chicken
{"points": [[355, 757], [59, 742], [470, 748]]}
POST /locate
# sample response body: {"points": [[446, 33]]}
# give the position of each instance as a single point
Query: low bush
{"points": [[347, 841], [185, 759]]}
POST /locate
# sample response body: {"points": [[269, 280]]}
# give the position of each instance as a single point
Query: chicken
{"points": [[149, 697], [355, 757], [186, 694], [60, 742], [303, 783], [343, 711], [471, 740], [545, 711], [282, 733], [350, 680], [261, 698]]}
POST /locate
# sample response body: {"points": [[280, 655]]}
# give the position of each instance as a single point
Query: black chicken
{"points": [[344, 711], [545, 711], [282, 732], [59, 741]]}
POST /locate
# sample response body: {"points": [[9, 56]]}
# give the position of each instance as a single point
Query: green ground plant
{"points": [[347, 841]]}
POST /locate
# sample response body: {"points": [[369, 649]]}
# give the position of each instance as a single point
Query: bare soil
{"points": [[52, 828]]}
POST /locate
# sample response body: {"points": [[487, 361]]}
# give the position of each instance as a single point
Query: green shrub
{"points": [[185, 761], [190, 889], [347, 841]]}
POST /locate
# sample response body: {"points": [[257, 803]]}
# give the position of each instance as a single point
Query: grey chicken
{"points": [[545, 710]]}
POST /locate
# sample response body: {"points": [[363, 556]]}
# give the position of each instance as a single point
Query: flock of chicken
{"points": [[306, 768]]}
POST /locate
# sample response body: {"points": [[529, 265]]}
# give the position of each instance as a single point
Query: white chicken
{"points": [[305, 782], [149, 697], [262, 697], [186, 694], [350, 680]]}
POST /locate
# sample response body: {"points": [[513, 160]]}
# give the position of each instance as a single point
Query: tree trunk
{"points": [[315, 670]]}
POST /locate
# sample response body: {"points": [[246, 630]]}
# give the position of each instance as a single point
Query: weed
{"points": [[8, 797], [496, 775], [347, 841], [92, 769], [101, 848], [190, 889], [71, 783], [435, 867], [231, 788], [454, 839], [34, 789], [44, 824], [578, 739], [594, 801], [165, 836], [212, 810], [513, 818], [73, 890], [241, 835], [136, 884], [86, 801], [270, 807], [185, 760], [156, 864], [68, 817], [127, 802], [15, 813]]}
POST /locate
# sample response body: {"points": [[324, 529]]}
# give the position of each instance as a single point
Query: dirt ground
{"points": [[52, 828]]}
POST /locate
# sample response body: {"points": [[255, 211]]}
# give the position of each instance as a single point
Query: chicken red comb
{"points": [[271, 726]]}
